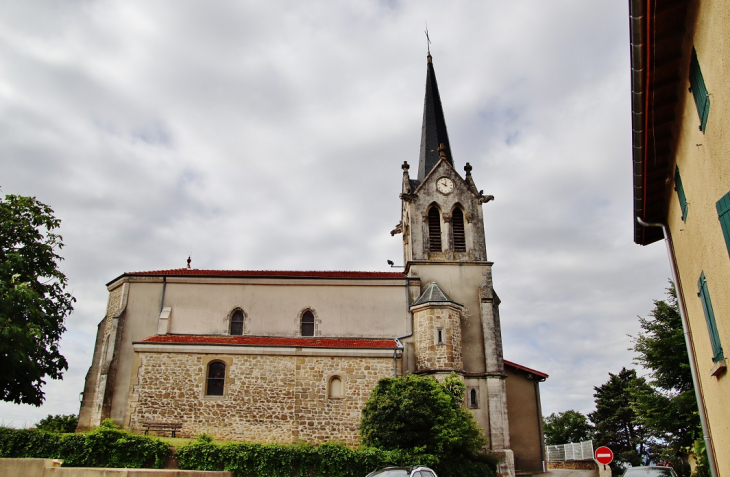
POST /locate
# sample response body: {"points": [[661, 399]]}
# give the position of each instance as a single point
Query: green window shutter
{"points": [[680, 193], [704, 295], [723, 214], [699, 90]]}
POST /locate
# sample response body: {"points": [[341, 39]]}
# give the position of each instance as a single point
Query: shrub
{"points": [[102, 447], [326, 460], [418, 412], [109, 447], [29, 443], [65, 423]]}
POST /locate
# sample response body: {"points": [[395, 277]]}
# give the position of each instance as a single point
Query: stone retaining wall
{"points": [[573, 465]]}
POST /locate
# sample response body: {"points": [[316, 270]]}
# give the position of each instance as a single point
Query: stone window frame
{"points": [[465, 224], [471, 393], [332, 377], [300, 316], [244, 331], [439, 331], [203, 380], [427, 220]]}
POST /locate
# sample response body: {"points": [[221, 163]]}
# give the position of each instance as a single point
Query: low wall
{"points": [[573, 465], [51, 468], [29, 467]]}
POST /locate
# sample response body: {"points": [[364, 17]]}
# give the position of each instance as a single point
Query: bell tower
{"points": [[443, 244]]}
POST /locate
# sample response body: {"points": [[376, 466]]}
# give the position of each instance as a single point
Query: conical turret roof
{"points": [[433, 294], [433, 130]]}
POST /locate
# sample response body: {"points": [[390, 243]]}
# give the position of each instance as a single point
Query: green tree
{"points": [[669, 407], [420, 414], [566, 427], [58, 423], [33, 300], [615, 419]]}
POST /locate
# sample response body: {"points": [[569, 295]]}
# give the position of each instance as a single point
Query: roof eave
{"points": [[650, 55]]}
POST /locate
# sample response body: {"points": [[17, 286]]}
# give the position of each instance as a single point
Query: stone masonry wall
{"points": [[279, 399], [115, 301], [106, 329], [431, 355]]}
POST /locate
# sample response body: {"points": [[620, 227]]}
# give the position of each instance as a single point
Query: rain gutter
{"points": [[688, 343], [638, 15]]}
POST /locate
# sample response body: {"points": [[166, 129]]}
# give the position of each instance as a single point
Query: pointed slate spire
{"points": [[433, 293], [433, 131]]}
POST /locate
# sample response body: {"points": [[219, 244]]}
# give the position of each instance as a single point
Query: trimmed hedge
{"points": [[110, 447], [326, 460], [102, 447], [32, 443]]}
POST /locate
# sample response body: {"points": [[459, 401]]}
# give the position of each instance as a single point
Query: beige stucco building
{"points": [[285, 356], [681, 152]]}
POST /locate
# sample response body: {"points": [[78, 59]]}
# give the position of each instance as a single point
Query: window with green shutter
{"points": [[699, 90], [680, 193], [704, 294], [723, 214]]}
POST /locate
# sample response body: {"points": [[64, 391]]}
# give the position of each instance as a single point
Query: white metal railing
{"points": [[572, 451]]}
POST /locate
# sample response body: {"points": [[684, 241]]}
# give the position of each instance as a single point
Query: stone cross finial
{"points": [[442, 151], [405, 166], [467, 168]]}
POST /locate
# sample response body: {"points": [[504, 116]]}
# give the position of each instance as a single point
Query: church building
{"points": [[286, 356]]}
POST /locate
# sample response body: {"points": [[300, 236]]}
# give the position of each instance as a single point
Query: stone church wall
{"points": [[280, 399]]}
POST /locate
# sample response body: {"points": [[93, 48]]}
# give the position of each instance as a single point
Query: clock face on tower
{"points": [[445, 185]]}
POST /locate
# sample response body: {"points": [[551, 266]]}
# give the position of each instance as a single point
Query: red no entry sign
{"points": [[604, 455]]}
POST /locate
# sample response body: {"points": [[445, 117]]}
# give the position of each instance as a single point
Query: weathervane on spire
{"points": [[428, 41]]}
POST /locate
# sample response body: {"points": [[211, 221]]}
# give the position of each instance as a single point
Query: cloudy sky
{"points": [[269, 135]]}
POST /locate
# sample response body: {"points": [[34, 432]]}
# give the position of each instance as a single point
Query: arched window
{"points": [[308, 323], [434, 230], [216, 379], [237, 323], [335, 387], [457, 230], [473, 403]]}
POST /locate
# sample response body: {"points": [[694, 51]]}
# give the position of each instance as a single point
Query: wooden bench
{"points": [[172, 427]]}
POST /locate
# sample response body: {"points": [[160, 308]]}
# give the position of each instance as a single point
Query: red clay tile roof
{"points": [[182, 272], [525, 368], [363, 343]]}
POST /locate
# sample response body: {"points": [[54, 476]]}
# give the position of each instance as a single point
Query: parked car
{"points": [[650, 471], [418, 471]]}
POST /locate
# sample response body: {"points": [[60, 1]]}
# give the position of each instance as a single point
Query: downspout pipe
{"points": [[690, 349], [410, 333], [162, 296]]}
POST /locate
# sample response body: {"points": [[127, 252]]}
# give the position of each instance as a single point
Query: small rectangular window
{"points": [[723, 214], [699, 90], [680, 193], [704, 295]]}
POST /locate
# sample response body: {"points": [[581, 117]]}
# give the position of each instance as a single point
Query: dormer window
{"points": [[236, 323], [307, 323]]}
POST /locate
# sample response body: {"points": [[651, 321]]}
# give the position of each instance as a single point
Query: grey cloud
{"points": [[271, 135]]}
